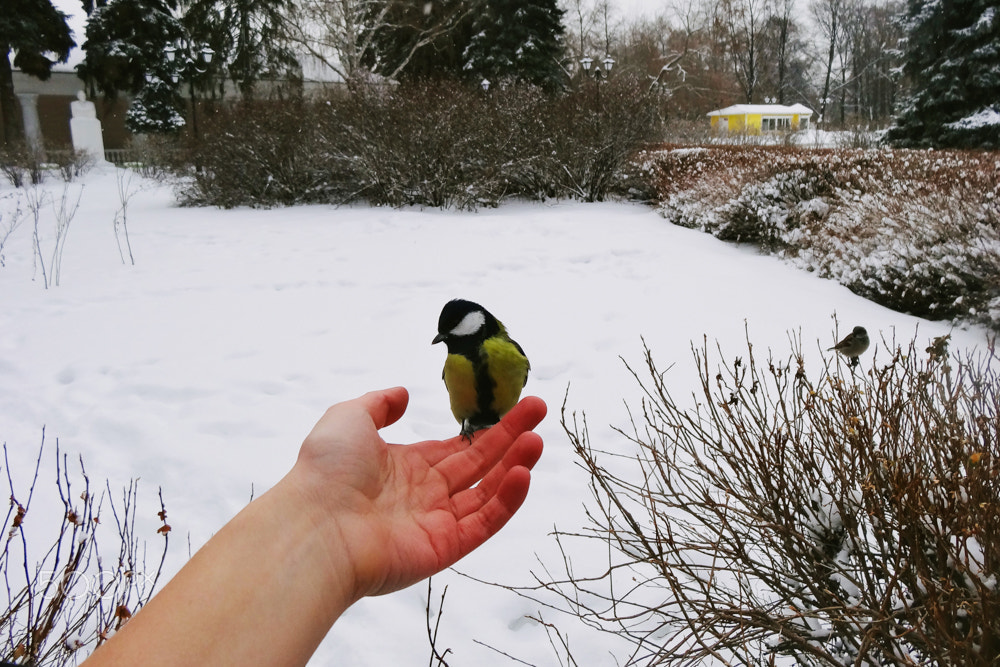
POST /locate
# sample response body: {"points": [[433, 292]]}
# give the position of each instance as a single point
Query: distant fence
{"points": [[120, 156]]}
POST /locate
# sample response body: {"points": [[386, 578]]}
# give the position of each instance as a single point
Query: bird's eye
{"points": [[469, 324]]}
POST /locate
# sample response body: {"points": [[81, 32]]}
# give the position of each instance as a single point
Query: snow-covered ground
{"points": [[201, 368]]}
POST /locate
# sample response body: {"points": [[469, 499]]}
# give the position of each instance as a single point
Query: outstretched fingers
{"points": [[466, 467], [524, 454], [482, 524]]}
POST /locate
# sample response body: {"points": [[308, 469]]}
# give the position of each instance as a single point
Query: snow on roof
{"points": [[766, 109]]}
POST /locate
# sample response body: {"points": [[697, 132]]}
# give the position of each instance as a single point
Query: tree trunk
{"points": [[829, 69], [12, 132]]}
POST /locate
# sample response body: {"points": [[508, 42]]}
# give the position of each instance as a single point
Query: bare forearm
{"points": [[354, 517], [264, 590]]}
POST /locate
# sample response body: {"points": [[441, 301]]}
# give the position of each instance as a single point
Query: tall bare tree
{"points": [[828, 15], [872, 36], [582, 28], [607, 23], [341, 34], [783, 27], [745, 21]]}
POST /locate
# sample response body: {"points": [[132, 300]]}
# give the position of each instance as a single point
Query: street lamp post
{"points": [[587, 63], [191, 62]]}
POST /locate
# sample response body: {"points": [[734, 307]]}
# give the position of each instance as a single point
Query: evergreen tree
{"points": [[520, 39], [154, 109], [31, 29], [418, 39], [256, 46], [204, 28], [126, 44], [952, 59], [126, 52]]}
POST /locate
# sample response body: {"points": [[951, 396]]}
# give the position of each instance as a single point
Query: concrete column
{"points": [[32, 126]]}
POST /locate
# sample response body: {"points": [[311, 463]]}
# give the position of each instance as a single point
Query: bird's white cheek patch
{"points": [[470, 324]]}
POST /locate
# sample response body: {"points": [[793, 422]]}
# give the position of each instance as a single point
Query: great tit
{"points": [[485, 369], [853, 345]]}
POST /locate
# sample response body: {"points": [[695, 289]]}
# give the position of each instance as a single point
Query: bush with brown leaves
{"points": [[916, 231]]}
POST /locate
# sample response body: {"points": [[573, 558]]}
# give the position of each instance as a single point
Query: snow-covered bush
{"points": [[766, 213], [936, 255], [916, 231], [841, 518]]}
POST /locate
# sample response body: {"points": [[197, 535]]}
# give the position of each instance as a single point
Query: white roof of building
{"points": [[766, 109]]}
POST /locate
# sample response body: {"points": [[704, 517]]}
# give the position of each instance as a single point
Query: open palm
{"points": [[404, 512]]}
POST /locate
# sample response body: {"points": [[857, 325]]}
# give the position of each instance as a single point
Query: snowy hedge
{"points": [[916, 231]]}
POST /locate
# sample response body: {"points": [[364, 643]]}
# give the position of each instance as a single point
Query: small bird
{"points": [[853, 345], [485, 369]]}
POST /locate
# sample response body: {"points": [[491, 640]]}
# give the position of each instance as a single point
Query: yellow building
{"points": [[759, 118]]}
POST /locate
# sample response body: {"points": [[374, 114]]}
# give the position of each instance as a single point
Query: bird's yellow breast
{"points": [[501, 363], [460, 379], [508, 369]]}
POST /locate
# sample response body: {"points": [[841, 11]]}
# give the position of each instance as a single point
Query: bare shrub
{"points": [[685, 131], [260, 153], [21, 165], [71, 164], [859, 136], [847, 518], [35, 200], [126, 187], [525, 151], [11, 215], [597, 129], [437, 658], [424, 143], [77, 593], [63, 211], [427, 143]]}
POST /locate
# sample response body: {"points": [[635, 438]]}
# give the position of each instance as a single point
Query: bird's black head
{"points": [[463, 322], [860, 331]]}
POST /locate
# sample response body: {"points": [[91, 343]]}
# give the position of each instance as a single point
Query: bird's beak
{"points": [[437, 339]]}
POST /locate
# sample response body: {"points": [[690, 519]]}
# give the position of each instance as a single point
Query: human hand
{"points": [[400, 513]]}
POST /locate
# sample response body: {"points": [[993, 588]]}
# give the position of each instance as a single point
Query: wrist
{"points": [[336, 531], [320, 522]]}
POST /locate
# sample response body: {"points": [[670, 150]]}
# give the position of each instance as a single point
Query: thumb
{"points": [[385, 406]]}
